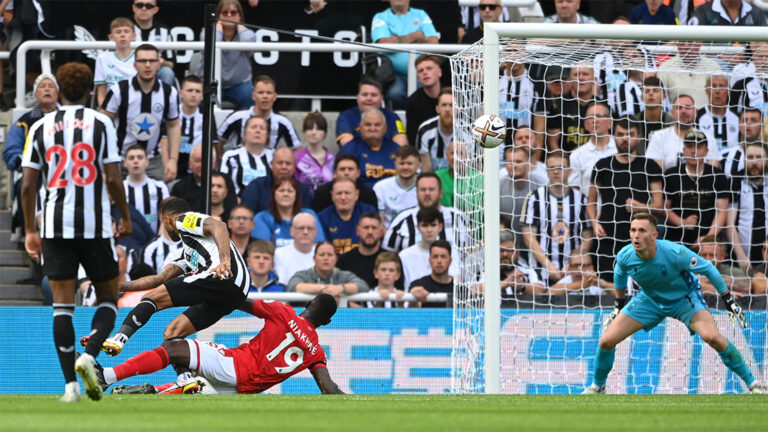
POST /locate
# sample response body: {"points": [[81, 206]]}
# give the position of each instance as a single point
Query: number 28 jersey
{"points": [[286, 345], [70, 148]]}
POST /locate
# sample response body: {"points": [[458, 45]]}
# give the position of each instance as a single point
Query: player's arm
{"points": [[115, 188], [168, 272], [324, 381], [699, 265], [32, 240], [218, 230]]}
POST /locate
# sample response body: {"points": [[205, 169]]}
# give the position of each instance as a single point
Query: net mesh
{"points": [[556, 263]]}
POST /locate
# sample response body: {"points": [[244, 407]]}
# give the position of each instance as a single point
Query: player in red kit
{"points": [[286, 345]]}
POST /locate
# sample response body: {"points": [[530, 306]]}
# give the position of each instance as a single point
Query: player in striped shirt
{"points": [[279, 127], [75, 151], [215, 282], [142, 192], [252, 160]]}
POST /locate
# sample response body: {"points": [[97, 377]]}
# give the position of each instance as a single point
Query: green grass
{"points": [[147, 413]]}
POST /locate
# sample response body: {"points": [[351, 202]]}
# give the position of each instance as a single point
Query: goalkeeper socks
{"points": [[603, 365], [102, 325], [64, 338], [143, 364], [735, 362], [138, 317]]}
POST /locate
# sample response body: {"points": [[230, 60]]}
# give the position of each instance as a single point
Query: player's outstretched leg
{"points": [[149, 361], [621, 328], [704, 325]]}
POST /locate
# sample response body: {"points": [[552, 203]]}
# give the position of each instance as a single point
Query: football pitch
{"points": [[361, 413]]}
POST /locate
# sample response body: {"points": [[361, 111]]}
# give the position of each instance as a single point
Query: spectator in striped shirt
{"points": [[435, 133], [554, 222], [143, 192], [140, 106], [190, 96], [279, 127], [249, 162], [748, 233], [314, 163]]}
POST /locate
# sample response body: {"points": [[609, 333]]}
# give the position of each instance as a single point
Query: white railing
{"points": [[5, 55], [46, 46], [344, 300]]}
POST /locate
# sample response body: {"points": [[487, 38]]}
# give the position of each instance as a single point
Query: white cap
{"points": [[40, 79]]}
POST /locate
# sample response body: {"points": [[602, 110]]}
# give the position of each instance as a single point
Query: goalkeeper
{"points": [[665, 270]]}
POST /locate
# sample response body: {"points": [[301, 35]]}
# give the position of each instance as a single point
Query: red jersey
{"points": [[286, 345]]}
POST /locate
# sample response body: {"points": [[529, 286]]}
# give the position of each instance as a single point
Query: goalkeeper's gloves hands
{"points": [[618, 304], [734, 311]]}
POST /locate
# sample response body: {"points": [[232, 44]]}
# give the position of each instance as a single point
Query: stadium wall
{"points": [[409, 351]]}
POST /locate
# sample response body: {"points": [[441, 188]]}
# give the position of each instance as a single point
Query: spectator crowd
{"points": [[587, 147]]}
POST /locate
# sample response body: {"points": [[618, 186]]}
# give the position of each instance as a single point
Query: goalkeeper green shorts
{"points": [[650, 312]]}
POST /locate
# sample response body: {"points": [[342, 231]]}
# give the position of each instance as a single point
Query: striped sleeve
{"points": [[31, 157], [192, 223], [109, 137]]}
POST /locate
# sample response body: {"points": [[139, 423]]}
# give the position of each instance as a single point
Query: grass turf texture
{"points": [[613, 413]]}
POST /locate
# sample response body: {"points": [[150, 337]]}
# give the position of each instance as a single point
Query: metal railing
{"points": [[344, 300], [47, 46]]}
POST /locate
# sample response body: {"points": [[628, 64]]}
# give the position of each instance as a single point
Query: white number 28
{"points": [[291, 364]]}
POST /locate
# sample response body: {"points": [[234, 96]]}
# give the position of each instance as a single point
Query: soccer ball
{"points": [[489, 131]]}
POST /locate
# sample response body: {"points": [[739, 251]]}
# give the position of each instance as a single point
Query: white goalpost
{"points": [[509, 340]]}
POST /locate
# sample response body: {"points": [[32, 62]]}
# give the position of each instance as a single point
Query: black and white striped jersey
{"points": [[559, 222], [724, 128], [139, 114], [70, 148], [752, 206], [201, 255], [243, 167], [518, 100], [626, 100], [280, 128], [733, 162], [146, 196], [158, 33], [749, 92], [402, 232], [158, 252], [430, 141]]}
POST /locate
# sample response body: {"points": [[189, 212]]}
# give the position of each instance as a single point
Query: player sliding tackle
{"points": [[286, 345], [665, 270]]}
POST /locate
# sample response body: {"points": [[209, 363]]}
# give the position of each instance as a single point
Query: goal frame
{"points": [[492, 32]]}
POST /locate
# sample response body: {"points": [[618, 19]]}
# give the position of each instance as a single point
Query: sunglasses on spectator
{"points": [[230, 12], [487, 6], [144, 6]]}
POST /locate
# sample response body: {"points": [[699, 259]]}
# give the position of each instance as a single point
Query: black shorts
{"points": [[210, 299], [97, 256]]}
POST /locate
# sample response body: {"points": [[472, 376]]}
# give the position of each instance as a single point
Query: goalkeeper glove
{"points": [[618, 304], [734, 311]]}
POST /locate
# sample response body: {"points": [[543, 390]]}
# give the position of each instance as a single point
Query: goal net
{"points": [[608, 116]]}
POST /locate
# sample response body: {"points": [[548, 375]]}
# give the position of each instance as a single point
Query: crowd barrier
{"points": [[388, 351]]}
